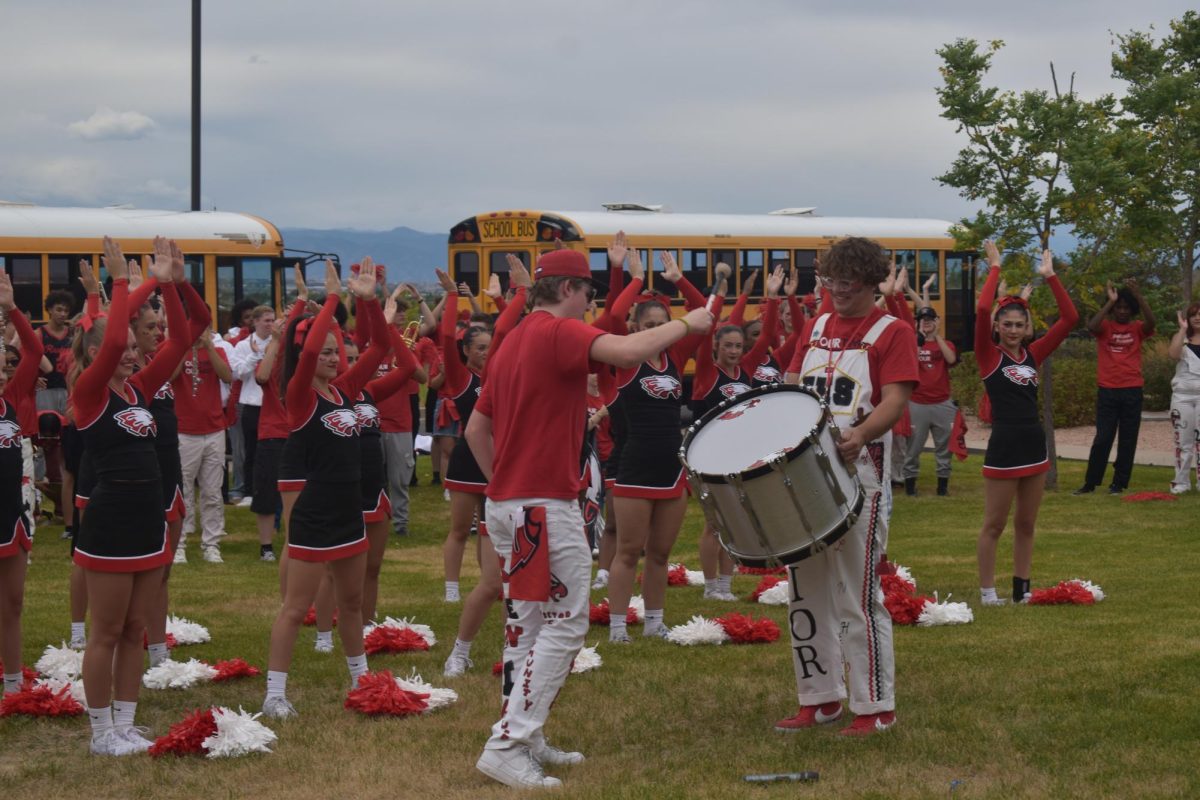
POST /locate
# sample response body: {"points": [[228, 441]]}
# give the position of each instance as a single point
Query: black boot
{"points": [[1021, 587], [943, 487], [910, 487]]}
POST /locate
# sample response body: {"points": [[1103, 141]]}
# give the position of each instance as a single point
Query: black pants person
{"points": [[1119, 416]]}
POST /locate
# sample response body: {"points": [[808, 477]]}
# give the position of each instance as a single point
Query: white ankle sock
{"points": [[158, 653], [724, 584], [601, 573], [988, 594], [12, 682], [710, 585], [654, 619], [123, 711], [357, 666], [462, 648], [325, 637], [101, 719], [452, 590], [616, 626], [276, 684], [77, 630]]}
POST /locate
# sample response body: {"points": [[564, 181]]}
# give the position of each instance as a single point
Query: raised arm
{"points": [[1148, 321], [985, 350], [299, 389], [671, 272], [1097, 321], [91, 395], [24, 379], [457, 374], [706, 370], [1067, 315]]}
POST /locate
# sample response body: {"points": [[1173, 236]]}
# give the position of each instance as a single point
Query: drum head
{"points": [[748, 432]]}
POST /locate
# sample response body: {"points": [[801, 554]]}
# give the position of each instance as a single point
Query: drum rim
{"points": [[796, 556], [724, 405]]}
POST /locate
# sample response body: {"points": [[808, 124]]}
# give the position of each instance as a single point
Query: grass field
{"points": [[1025, 702]]}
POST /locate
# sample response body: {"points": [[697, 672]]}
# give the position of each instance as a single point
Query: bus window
{"points": [[781, 258], [466, 270], [960, 300], [654, 266], [956, 266], [908, 258], [749, 261], [598, 264], [806, 269], [927, 265], [227, 293], [256, 280], [194, 269], [26, 274], [694, 264]]}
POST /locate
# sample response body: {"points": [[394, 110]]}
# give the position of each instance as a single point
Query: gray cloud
{"points": [[108, 124]]}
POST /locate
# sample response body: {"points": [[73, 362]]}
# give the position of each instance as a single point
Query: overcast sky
{"points": [[377, 114]]}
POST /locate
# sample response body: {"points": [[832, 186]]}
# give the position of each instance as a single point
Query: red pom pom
{"points": [[677, 576], [170, 641], [1142, 497], [310, 618], [904, 607], [386, 639], [498, 668], [188, 736], [1066, 593], [744, 629], [744, 570], [767, 582], [40, 701], [378, 693], [235, 668], [894, 583], [598, 613]]}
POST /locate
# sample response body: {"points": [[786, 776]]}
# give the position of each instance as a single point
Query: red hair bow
{"points": [[1012, 299], [302, 330]]}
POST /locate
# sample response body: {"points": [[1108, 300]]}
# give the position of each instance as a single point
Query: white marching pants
{"points": [[1185, 419]]}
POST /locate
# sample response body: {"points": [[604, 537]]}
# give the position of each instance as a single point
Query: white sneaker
{"points": [[323, 646], [180, 555], [452, 596], [111, 743], [212, 554], [601, 581], [245, 502], [990, 601], [1177, 489], [267, 555], [723, 596], [659, 632], [619, 638], [551, 755], [456, 665], [446, 495], [515, 767], [278, 708], [135, 736]]}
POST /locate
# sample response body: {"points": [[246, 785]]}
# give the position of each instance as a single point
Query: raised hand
{"points": [[333, 284], [993, 254], [6, 292], [446, 281], [363, 284], [135, 273], [929, 282], [774, 282], [493, 288], [1002, 288], [87, 277], [1111, 291], [463, 289], [178, 274], [1179, 315], [636, 270], [1027, 291], [301, 286], [114, 260], [748, 284], [617, 250], [671, 270], [160, 264], [391, 306], [888, 287], [517, 274], [1046, 268], [792, 284], [902, 280], [278, 327]]}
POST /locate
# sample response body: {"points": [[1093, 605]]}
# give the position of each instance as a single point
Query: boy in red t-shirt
{"points": [[1119, 340], [526, 433]]}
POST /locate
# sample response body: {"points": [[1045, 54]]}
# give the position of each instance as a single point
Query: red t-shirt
{"points": [[1119, 354], [536, 397], [198, 405], [934, 373], [395, 412], [892, 359]]}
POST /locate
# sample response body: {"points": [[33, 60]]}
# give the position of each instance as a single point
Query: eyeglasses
{"points": [[590, 290]]}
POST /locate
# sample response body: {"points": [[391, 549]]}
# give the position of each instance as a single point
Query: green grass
{"points": [[1025, 702]]}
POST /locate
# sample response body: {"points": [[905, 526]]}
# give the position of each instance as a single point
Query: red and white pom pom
{"points": [[437, 697], [62, 663], [310, 617], [906, 607], [637, 610], [424, 631], [172, 674], [398, 636], [677, 575], [234, 668], [745, 629], [744, 570], [698, 630], [74, 688], [765, 583], [778, 595], [586, 660], [944, 613], [1144, 497], [186, 736], [378, 693], [1074, 592], [238, 733], [186, 632], [40, 700], [598, 613]]}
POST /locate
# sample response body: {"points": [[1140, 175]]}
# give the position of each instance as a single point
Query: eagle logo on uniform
{"points": [[10, 433], [1021, 374], [765, 373], [342, 421], [137, 421], [734, 389], [165, 392], [367, 415], [662, 387]]}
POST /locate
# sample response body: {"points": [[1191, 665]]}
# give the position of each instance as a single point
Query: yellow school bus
{"points": [[790, 237]]}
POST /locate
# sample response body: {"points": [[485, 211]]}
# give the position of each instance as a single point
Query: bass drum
{"points": [[766, 469]]}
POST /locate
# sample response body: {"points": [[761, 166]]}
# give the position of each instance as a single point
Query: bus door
{"points": [[959, 297]]}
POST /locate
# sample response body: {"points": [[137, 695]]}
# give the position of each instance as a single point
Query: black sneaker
{"points": [[1087, 488], [1116, 490]]}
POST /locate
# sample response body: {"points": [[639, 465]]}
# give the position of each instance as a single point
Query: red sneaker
{"points": [[811, 716], [867, 724]]}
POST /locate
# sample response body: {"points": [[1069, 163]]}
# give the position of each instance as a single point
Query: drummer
{"points": [[863, 362]]}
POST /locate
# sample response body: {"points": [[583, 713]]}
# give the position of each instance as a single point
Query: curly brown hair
{"points": [[855, 259]]}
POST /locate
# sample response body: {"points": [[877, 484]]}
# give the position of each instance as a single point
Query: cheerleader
{"points": [[1185, 399], [649, 493], [326, 525], [122, 540], [723, 371], [15, 541], [1016, 463]]}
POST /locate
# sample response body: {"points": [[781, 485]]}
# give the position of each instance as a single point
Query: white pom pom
{"points": [[424, 631], [698, 630], [1096, 591], [238, 733], [56, 685], [178, 675], [695, 577], [638, 604], [947, 613], [438, 698], [187, 632], [587, 660], [777, 595], [61, 663], [905, 574]]}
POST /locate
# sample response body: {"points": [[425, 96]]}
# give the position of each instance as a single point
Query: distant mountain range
{"points": [[409, 255]]}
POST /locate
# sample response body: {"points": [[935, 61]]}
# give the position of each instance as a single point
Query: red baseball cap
{"points": [[567, 263]]}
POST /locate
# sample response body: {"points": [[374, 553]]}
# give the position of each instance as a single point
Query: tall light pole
{"points": [[195, 105]]}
